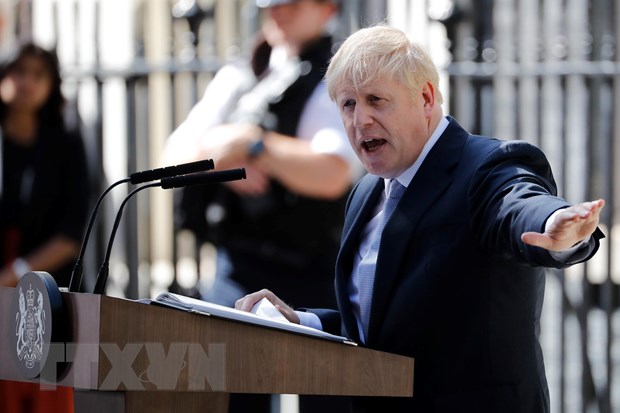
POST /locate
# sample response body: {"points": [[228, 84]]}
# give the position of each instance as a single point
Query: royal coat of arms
{"points": [[30, 327]]}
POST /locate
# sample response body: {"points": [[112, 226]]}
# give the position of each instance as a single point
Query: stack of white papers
{"points": [[264, 313]]}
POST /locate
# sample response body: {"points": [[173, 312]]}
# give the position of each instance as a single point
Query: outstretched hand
{"points": [[570, 226], [246, 303]]}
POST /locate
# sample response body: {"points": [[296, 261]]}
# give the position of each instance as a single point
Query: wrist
{"points": [[257, 147]]}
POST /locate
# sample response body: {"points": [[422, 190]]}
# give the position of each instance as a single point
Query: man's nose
{"points": [[362, 117]]}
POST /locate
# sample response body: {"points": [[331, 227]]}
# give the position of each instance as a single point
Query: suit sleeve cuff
{"points": [[309, 320]]}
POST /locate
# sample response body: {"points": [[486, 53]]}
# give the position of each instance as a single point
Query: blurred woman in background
{"points": [[43, 194], [43, 201]]}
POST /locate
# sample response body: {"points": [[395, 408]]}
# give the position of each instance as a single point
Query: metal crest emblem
{"points": [[38, 319], [30, 327]]}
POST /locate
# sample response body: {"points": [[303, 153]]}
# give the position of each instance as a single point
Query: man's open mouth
{"points": [[371, 145]]}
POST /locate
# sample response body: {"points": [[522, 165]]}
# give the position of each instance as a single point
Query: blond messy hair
{"points": [[381, 51]]}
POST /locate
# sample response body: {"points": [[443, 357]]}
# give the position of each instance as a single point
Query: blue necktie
{"points": [[366, 268]]}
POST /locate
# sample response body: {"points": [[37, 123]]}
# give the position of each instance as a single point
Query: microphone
{"points": [[203, 178], [200, 178], [134, 178], [168, 171]]}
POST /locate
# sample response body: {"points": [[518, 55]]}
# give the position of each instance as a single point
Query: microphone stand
{"points": [[78, 268], [102, 277]]}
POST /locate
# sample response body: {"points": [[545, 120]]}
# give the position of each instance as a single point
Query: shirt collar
{"points": [[406, 177]]}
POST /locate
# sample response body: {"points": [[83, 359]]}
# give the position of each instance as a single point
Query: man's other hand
{"points": [[246, 303]]}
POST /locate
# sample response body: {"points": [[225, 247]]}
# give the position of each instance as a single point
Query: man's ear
{"points": [[428, 94]]}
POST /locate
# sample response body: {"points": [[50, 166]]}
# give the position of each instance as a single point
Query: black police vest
{"points": [[282, 225]]}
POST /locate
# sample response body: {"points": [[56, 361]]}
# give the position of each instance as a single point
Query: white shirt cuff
{"points": [[309, 320]]}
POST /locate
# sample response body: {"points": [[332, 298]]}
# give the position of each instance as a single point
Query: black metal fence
{"points": [[547, 71]]}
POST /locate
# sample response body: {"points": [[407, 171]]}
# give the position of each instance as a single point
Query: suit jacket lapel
{"points": [[362, 203], [429, 183]]}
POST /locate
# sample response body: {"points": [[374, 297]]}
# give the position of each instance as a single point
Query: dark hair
{"points": [[51, 113]]}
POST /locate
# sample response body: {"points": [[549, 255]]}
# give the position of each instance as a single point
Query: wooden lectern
{"points": [[127, 356]]}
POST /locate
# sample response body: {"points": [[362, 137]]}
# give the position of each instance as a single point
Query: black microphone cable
{"points": [[134, 178], [199, 178]]}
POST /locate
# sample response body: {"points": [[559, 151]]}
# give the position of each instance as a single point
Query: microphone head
{"points": [[170, 171], [203, 178]]}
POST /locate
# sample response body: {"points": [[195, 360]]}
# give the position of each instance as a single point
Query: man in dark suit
{"points": [[455, 278]]}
